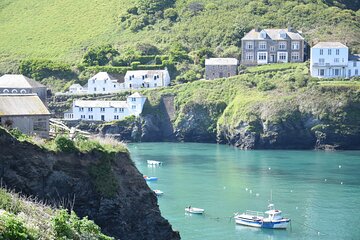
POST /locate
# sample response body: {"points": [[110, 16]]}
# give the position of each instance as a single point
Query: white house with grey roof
{"points": [[146, 79], [220, 67], [19, 84], [103, 82], [96, 110], [25, 112], [332, 60], [272, 46]]}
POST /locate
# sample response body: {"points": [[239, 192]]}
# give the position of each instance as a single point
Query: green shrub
{"points": [[100, 56], [12, 228], [171, 14], [43, 68], [64, 144], [134, 65]]}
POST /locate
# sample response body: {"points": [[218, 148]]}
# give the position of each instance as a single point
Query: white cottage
{"points": [[103, 82], [77, 89], [331, 60], [95, 110], [147, 79]]}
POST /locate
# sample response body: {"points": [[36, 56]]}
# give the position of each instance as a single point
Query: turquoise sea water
{"points": [[319, 191]]}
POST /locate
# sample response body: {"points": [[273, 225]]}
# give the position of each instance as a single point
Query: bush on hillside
{"points": [[147, 49], [42, 68], [11, 228], [100, 56], [171, 14], [64, 144]]}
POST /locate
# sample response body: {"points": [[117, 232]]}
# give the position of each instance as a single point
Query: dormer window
{"points": [[130, 78], [282, 34], [263, 34], [133, 99]]}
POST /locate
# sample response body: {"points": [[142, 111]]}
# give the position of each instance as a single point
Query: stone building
{"points": [[220, 68], [25, 112], [272, 46], [19, 84]]}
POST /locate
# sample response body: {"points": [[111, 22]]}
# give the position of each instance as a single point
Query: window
{"points": [[116, 117], [115, 110], [133, 107], [229, 75], [155, 84], [249, 56], [321, 51], [94, 89], [262, 56], [282, 45], [354, 64], [94, 81], [82, 117], [295, 56], [129, 85], [329, 51], [321, 61], [91, 117], [295, 45], [121, 109], [130, 78], [133, 99], [282, 56], [105, 81], [102, 109], [336, 72], [349, 73], [321, 72], [263, 34], [90, 109], [81, 109], [249, 45], [337, 51], [103, 89], [336, 60], [356, 72], [262, 45], [114, 86], [272, 48]]}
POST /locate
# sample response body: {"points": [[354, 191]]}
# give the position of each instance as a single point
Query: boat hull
{"points": [[281, 224], [195, 210]]}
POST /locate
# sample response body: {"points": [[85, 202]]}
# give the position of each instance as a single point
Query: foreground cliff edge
{"points": [[94, 181]]}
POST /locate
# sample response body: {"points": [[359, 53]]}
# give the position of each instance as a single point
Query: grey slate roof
{"points": [[273, 34], [22, 105], [221, 61], [329, 45], [354, 57], [18, 81]]}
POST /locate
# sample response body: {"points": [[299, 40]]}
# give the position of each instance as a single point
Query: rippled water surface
{"points": [[319, 191]]}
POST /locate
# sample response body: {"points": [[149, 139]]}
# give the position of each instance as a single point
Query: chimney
{"points": [[257, 29], [290, 29]]}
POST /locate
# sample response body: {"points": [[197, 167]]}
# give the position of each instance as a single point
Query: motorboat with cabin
{"points": [[272, 219]]}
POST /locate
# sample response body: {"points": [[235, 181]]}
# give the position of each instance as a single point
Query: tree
{"points": [[171, 14], [152, 6], [147, 49], [100, 56]]}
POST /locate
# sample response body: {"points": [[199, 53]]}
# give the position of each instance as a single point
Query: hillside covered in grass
{"points": [[267, 107], [64, 31]]}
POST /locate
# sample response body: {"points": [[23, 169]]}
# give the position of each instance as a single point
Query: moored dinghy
{"points": [[273, 220], [150, 178], [194, 210], [158, 192], [154, 163]]}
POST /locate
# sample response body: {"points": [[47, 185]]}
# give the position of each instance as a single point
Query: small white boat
{"points": [[272, 220], [158, 192], [154, 163], [194, 210], [150, 179]]}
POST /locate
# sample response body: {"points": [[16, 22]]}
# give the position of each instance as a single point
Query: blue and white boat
{"points": [[150, 179], [270, 219]]}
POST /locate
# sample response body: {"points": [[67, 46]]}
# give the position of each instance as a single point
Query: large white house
{"points": [[103, 82], [147, 79], [95, 110], [331, 60]]}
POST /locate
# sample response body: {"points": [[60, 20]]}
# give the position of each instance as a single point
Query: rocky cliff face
{"points": [[131, 212], [317, 118]]}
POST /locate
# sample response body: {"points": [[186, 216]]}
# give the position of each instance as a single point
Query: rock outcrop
{"points": [[79, 181]]}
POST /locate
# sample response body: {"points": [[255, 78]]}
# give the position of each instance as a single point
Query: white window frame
{"points": [[295, 45], [249, 45], [329, 52], [282, 45], [321, 51], [262, 45], [282, 57], [249, 56], [337, 51], [295, 56], [262, 56]]}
